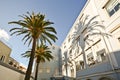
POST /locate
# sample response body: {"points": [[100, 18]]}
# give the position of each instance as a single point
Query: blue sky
{"points": [[62, 12]]}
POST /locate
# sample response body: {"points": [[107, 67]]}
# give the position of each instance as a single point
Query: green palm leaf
{"points": [[35, 29]]}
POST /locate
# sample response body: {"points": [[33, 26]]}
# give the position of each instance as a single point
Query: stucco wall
{"points": [[4, 51], [9, 73]]}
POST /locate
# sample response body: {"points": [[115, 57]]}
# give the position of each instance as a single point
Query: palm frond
{"points": [[29, 37], [34, 26], [26, 54], [89, 22], [42, 53], [51, 29], [46, 23]]}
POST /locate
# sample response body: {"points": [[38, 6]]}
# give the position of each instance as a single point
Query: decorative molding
{"points": [[115, 28]]}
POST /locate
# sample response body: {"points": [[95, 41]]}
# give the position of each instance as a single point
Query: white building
{"points": [[9, 66], [96, 57], [51, 69]]}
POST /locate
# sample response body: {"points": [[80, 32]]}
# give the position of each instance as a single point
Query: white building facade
{"points": [[52, 69], [91, 49]]}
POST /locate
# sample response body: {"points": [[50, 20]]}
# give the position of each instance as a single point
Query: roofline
{"points": [[5, 44], [80, 14]]}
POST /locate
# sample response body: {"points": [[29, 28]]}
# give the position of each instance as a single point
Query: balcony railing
{"points": [[94, 68]]}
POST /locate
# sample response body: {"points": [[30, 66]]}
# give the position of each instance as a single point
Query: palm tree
{"points": [[92, 27], [35, 29], [42, 53]]}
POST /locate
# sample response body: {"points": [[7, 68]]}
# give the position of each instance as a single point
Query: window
{"points": [[112, 6], [56, 71], [119, 39], [48, 70], [69, 38], [72, 72], [70, 53], [82, 64], [2, 58], [90, 59], [101, 55], [77, 66], [11, 63], [40, 70]]}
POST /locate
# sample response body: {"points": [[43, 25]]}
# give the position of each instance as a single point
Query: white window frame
{"points": [[90, 59], [111, 6], [99, 57]]}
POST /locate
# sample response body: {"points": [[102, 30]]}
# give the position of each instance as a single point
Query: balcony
{"points": [[94, 69]]}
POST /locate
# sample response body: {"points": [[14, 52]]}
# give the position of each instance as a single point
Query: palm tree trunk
{"points": [[36, 72], [29, 69]]}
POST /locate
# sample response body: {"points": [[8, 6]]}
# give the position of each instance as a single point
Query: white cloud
{"points": [[4, 35]]}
